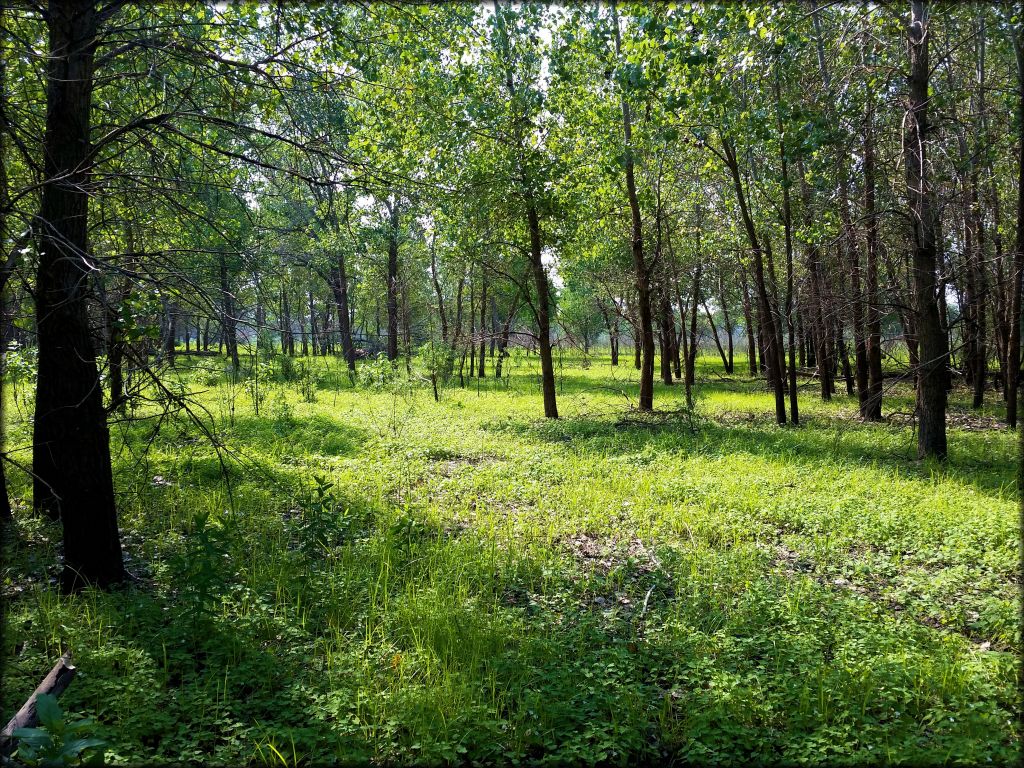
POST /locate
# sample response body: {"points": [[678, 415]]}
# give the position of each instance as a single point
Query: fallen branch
{"points": [[54, 684]]}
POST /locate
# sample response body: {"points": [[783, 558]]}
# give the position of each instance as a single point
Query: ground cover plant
{"points": [[511, 382], [396, 579]]}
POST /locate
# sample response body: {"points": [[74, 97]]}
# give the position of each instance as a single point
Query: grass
{"points": [[397, 580]]}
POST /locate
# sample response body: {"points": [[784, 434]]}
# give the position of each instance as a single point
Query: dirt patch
{"points": [[973, 422], [453, 463], [793, 564], [604, 553]]}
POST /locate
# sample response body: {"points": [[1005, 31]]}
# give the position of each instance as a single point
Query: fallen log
{"points": [[54, 684]]}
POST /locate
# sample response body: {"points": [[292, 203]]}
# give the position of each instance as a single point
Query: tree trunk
{"points": [[228, 320], [640, 266], [1017, 267], [873, 407], [668, 334], [339, 287], [540, 279], [767, 319], [471, 341], [748, 321], [932, 343], [481, 371], [5, 500], [442, 314], [787, 221], [71, 446], [170, 341], [314, 331], [392, 298], [856, 301], [818, 320], [506, 330], [690, 367], [729, 326]]}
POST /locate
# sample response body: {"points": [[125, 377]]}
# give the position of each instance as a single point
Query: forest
{"points": [[511, 383]]}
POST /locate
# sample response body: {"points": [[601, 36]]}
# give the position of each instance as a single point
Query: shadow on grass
{"points": [[397, 641], [820, 439], [317, 434]]}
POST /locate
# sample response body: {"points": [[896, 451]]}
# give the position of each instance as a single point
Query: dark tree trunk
{"points": [[6, 267], [843, 350], [441, 313], [540, 279], [71, 446], [856, 301], [748, 321], [406, 313], [339, 287], [1017, 267], [494, 326], [326, 342], [170, 341], [471, 341], [933, 350], [287, 337], [819, 325], [690, 364], [481, 370], [668, 336], [767, 315], [873, 409], [5, 502], [506, 330], [640, 266], [787, 221], [228, 320], [716, 339], [612, 324], [392, 298], [729, 327]]}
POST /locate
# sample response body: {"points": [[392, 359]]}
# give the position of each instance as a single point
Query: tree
{"points": [[71, 447], [933, 373]]}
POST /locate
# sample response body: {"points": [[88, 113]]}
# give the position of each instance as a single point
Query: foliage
{"points": [[57, 743], [489, 586]]}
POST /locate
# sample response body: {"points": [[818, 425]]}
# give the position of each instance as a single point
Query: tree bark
{"points": [[339, 287], [481, 370], [442, 314], [767, 319], [71, 445], [228, 320], [1017, 268], [787, 222], [540, 279], [392, 279], [640, 266], [932, 343], [54, 684], [873, 407], [748, 321]]}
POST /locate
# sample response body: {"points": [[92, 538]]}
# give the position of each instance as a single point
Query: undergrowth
{"points": [[382, 577]]}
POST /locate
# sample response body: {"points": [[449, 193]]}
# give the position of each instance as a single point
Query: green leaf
{"points": [[33, 736], [49, 711], [77, 746]]}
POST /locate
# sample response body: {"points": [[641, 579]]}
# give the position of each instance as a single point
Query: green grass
{"points": [[480, 584]]}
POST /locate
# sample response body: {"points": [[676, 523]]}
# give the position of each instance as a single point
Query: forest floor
{"points": [[392, 579]]}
